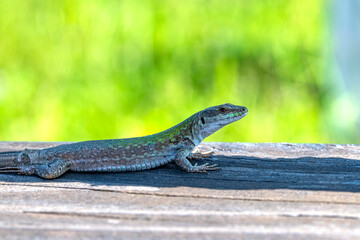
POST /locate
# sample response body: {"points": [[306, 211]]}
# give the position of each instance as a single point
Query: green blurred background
{"points": [[81, 70]]}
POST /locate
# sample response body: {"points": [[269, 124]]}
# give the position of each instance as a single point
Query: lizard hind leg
{"points": [[53, 169]]}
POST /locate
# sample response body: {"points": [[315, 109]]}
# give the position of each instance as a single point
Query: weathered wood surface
{"points": [[263, 191]]}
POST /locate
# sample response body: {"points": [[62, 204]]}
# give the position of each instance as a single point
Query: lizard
{"points": [[127, 154]]}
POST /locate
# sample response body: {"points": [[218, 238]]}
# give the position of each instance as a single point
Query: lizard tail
{"points": [[8, 159]]}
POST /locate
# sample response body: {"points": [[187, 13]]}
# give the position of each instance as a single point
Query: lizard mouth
{"points": [[230, 118], [237, 115]]}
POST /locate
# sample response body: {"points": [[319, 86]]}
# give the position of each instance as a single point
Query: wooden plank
{"points": [[273, 191]]}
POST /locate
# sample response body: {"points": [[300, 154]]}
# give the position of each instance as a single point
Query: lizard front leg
{"points": [[184, 163]]}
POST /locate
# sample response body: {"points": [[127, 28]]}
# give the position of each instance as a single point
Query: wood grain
{"points": [[263, 191]]}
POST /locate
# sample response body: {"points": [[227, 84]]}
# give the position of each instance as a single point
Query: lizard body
{"points": [[129, 154]]}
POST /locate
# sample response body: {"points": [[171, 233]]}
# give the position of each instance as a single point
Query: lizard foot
{"points": [[204, 168], [19, 170]]}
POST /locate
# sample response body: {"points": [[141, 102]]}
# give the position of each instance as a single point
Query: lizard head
{"points": [[214, 118]]}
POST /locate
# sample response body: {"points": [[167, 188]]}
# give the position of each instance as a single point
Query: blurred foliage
{"points": [[80, 70]]}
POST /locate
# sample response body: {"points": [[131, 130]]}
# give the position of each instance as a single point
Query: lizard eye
{"points": [[222, 109], [202, 120]]}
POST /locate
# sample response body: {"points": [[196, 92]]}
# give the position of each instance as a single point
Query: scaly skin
{"points": [[130, 154]]}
